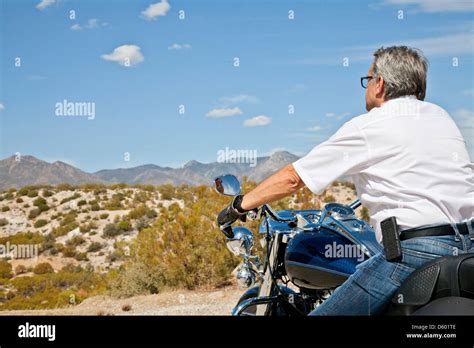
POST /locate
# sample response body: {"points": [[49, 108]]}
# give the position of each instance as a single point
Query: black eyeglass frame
{"points": [[365, 78]]}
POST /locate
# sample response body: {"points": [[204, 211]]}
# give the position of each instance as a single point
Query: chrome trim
{"points": [[253, 301]]}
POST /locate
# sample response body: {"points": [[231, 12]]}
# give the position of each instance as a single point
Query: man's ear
{"points": [[379, 87]]}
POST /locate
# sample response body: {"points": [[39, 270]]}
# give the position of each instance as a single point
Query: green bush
{"points": [[43, 268], [32, 193], [124, 226], [47, 193], [329, 199], [70, 198], [94, 247], [111, 230], [5, 269], [34, 213], [40, 223]]}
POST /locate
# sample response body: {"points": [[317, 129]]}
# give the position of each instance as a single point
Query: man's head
{"points": [[396, 71]]}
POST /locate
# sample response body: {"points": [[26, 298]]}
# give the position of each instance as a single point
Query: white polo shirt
{"points": [[407, 159]]}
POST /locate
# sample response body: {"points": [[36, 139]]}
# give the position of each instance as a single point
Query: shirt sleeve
{"points": [[344, 153]]}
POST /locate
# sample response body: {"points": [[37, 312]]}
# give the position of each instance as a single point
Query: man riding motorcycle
{"points": [[411, 169]]}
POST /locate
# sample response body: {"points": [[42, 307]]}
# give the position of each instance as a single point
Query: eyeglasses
{"points": [[364, 81]]}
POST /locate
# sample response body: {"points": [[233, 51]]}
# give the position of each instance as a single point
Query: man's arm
{"points": [[277, 186]]}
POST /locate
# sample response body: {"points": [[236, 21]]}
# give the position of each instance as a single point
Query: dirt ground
{"points": [[200, 302]]}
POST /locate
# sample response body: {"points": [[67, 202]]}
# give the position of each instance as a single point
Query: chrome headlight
{"points": [[242, 242], [245, 277]]}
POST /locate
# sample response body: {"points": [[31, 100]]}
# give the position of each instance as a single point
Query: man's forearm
{"points": [[277, 186]]}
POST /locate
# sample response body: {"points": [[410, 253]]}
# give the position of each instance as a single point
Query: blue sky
{"points": [[190, 62]]}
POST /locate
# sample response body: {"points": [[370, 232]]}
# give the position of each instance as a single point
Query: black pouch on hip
{"points": [[391, 239]]}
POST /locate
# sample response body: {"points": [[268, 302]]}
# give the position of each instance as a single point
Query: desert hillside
{"points": [[121, 241]]}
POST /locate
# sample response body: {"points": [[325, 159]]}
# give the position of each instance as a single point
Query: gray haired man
{"points": [[407, 159]]}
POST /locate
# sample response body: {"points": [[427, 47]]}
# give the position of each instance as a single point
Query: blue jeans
{"points": [[369, 290]]}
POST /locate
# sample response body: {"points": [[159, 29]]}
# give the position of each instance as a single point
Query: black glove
{"points": [[232, 213]]}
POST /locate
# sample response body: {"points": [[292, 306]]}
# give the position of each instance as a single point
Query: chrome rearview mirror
{"points": [[227, 185]]}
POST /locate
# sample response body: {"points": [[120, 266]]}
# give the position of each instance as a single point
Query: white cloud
{"points": [[337, 116], [455, 44], [176, 46], [126, 55], [258, 121], [155, 10], [224, 112], [433, 6], [45, 3], [241, 98], [2, 107], [92, 23], [314, 129]]}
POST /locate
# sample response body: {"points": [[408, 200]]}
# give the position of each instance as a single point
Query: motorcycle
{"points": [[309, 253]]}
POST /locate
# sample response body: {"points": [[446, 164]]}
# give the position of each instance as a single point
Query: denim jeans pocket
{"points": [[416, 259], [400, 273]]}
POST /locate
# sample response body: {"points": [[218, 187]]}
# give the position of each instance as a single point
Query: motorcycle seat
{"points": [[450, 305], [449, 276]]}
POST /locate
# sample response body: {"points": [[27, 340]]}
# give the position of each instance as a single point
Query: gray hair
{"points": [[403, 70]]}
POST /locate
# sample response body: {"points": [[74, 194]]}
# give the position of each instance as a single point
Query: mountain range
{"points": [[30, 170]]}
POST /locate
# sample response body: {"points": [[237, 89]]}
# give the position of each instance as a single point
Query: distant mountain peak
{"points": [[192, 163]]}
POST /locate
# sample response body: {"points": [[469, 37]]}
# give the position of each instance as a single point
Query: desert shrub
{"points": [[75, 241], [167, 191], [92, 187], [8, 196], [94, 247], [364, 212], [141, 223], [81, 202], [47, 193], [22, 192], [67, 224], [20, 269], [104, 216], [182, 249], [115, 203], [70, 198], [34, 213], [43, 268], [87, 227], [69, 251], [81, 256], [329, 199], [124, 226], [5, 269], [115, 229], [19, 200], [40, 223], [65, 187], [140, 197], [23, 238], [70, 285], [5, 208], [39, 201], [32, 193], [94, 205], [3, 222]]}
